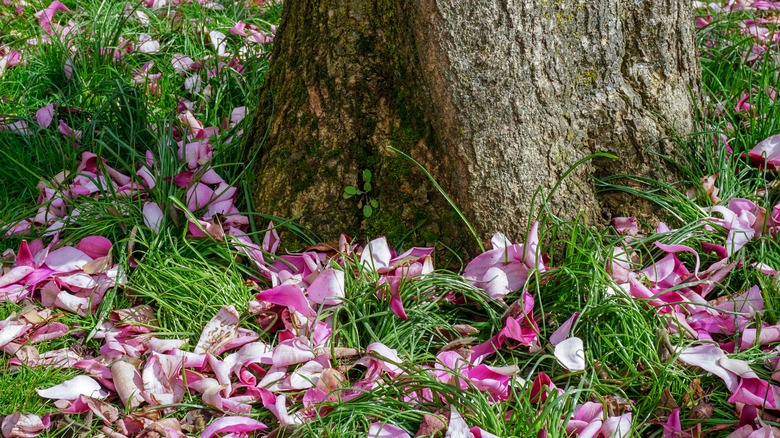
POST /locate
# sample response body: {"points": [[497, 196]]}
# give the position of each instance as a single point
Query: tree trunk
{"points": [[494, 97]]}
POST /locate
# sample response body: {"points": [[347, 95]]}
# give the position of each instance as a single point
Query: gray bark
{"points": [[494, 97]]}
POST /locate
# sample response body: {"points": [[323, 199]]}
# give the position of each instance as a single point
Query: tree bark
{"points": [[494, 97]]}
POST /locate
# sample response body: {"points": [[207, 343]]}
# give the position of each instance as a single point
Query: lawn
{"points": [[141, 295]]}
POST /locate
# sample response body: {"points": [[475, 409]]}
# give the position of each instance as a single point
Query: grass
{"points": [[187, 281]]}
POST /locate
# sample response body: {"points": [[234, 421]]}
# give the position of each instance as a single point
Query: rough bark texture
{"points": [[494, 97]]}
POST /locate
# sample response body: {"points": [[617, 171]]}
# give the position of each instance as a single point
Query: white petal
{"points": [[73, 388], [571, 354]]}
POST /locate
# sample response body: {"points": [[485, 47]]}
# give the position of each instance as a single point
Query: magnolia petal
{"points": [[571, 354], [45, 115], [67, 259], [386, 430], [15, 275], [18, 425], [376, 255], [231, 424], [10, 332], [626, 226], [287, 295], [327, 288], [766, 152], [531, 255], [147, 45], [128, 383], [457, 427], [153, 216], [481, 433], [618, 427], [73, 388], [562, 332], [95, 246], [499, 241], [219, 41], [389, 357], [292, 351], [271, 239], [219, 331], [306, 376], [680, 248], [79, 280], [707, 357]]}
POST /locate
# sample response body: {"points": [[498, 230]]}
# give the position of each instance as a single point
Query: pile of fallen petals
{"points": [[136, 379]]}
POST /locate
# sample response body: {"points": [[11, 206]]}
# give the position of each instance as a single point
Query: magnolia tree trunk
{"points": [[495, 98]]}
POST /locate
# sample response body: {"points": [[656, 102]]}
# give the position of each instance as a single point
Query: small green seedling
{"points": [[366, 203]]}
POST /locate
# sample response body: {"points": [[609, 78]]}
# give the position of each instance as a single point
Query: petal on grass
{"points": [[219, 331], [327, 288], [766, 152], [18, 425], [73, 388], [386, 430], [233, 424], [45, 115], [571, 354], [562, 332], [292, 351], [707, 357], [457, 427], [67, 259], [95, 246], [128, 384], [376, 255], [153, 216]]}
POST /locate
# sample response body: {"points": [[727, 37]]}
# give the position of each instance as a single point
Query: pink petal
{"points": [[385, 430], [707, 357], [128, 383], [376, 255], [327, 288], [271, 239], [617, 426], [237, 115], [161, 379], [680, 248], [388, 357], [563, 331], [238, 28], [481, 433], [457, 427], [153, 216], [12, 331], [531, 256], [493, 380], [292, 351], [673, 426], [147, 45], [625, 226], [15, 275], [199, 196], [95, 246], [73, 388], [396, 305], [232, 424], [67, 259], [45, 115], [286, 295], [17, 425], [766, 152], [219, 41]]}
